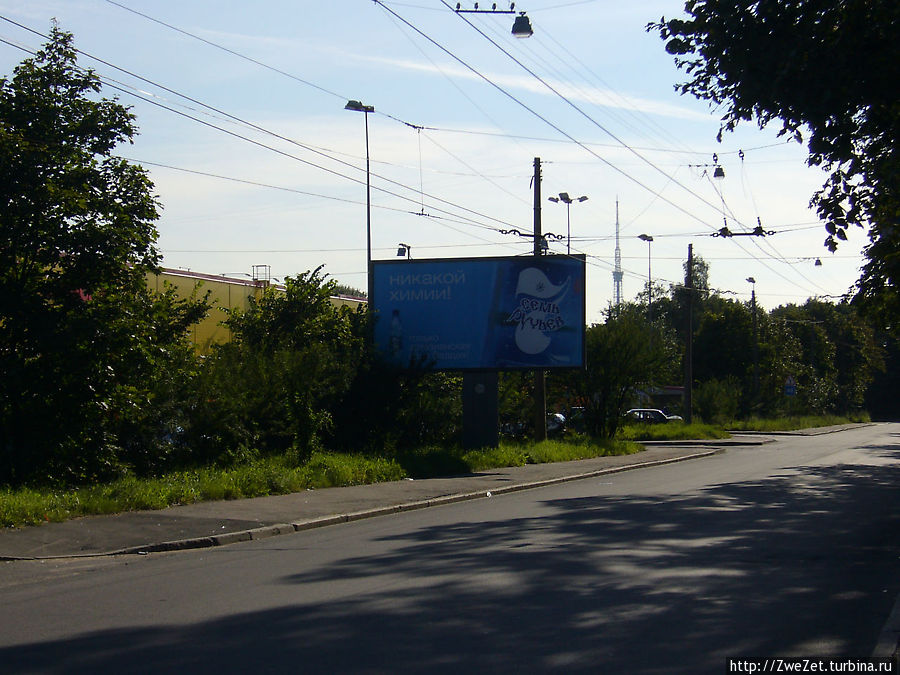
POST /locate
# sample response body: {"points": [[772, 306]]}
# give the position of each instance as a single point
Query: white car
{"points": [[651, 416]]}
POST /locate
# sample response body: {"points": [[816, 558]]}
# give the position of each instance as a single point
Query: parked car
{"points": [[650, 416], [556, 424]]}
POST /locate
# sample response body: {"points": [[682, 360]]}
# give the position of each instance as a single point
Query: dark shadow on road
{"points": [[610, 584]]}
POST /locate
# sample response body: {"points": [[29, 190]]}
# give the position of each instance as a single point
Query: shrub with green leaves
{"points": [[718, 401], [292, 357]]}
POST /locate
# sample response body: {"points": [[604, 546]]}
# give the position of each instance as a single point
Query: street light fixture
{"points": [[404, 250], [521, 26], [565, 199], [366, 109], [649, 239], [718, 172]]}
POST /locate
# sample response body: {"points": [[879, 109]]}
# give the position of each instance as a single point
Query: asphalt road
{"points": [[790, 548]]}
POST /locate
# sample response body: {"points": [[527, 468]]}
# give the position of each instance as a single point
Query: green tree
{"points": [[272, 389], [723, 343], [343, 289], [881, 396], [838, 354], [623, 354], [80, 334], [718, 401], [827, 69], [671, 306]]}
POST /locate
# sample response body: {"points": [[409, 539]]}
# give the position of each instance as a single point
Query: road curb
{"points": [[813, 431], [267, 531], [711, 442]]}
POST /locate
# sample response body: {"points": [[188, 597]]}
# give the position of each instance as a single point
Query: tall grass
{"points": [[797, 422], [674, 431], [278, 475], [271, 476]]}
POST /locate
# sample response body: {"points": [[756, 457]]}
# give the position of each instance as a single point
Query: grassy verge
{"points": [[794, 423], [674, 431], [30, 506], [519, 454]]}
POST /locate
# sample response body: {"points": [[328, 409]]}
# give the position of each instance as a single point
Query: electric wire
{"points": [[618, 107], [261, 64], [775, 254], [283, 73], [125, 89], [580, 111], [584, 114], [571, 104], [297, 191], [471, 100]]}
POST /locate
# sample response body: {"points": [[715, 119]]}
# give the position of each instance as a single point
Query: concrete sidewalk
{"points": [[224, 522]]}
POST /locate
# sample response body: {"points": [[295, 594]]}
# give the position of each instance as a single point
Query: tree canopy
{"points": [[826, 70], [82, 341]]}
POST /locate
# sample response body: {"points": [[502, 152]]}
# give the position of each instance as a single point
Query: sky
{"points": [[255, 161]]}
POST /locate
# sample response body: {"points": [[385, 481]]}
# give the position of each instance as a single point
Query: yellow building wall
{"points": [[225, 293]]}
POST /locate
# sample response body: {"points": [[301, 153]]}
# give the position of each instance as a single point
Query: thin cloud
{"points": [[593, 95]]}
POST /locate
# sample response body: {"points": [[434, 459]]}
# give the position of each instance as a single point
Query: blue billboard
{"points": [[481, 313]]}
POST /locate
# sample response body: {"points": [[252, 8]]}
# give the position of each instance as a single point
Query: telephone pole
{"points": [[689, 337]]}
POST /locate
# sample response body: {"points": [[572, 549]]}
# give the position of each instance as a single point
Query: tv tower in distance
{"points": [[617, 270]]}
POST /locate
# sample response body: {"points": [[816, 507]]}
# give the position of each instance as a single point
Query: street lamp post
{"points": [[649, 240], [366, 109], [567, 200]]}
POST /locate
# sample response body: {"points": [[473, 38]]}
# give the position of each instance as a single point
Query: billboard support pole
{"points": [[481, 418], [540, 384], [689, 338]]}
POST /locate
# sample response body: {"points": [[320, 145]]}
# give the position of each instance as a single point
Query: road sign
{"points": [[790, 386]]}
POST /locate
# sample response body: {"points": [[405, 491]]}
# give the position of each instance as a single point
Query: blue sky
{"points": [[275, 174]]}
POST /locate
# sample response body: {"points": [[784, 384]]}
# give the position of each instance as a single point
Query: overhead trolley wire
{"points": [[588, 117], [309, 148], [124, 88], [276, 70], [261, 64], [572, 105]]}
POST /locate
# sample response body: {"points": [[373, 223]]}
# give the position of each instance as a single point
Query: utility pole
{"points": [[689, 337], [755, 339], [540, 386], [649, 239]]}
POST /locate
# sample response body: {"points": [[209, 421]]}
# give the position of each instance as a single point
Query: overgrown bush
{"points": [[271, 390], [718, 401], [390, 410]]}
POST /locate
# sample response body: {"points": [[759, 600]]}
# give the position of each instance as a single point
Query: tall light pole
{"points": [[366, 109], [565, 199], [649, 240]]}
